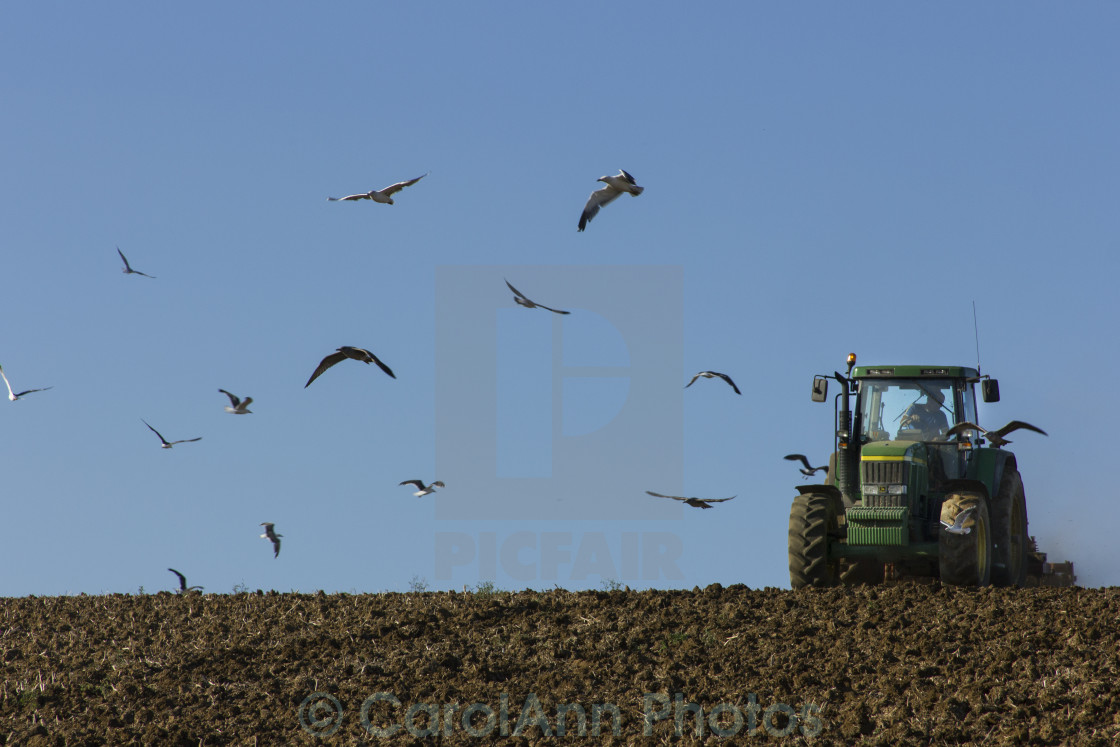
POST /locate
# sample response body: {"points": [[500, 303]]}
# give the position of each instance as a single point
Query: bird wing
{"points": [[187, 440], [418, 483], [627, 176], [182, 579], [554, 311], [393, 189], [124, 259], [161, 438], [6, 382], [795, 457], [361, 196], [381, 365], [29, 391], [727, 378], [1015, 425], [716, 500], [661, 495], [516, 292], [246, 402], [137, 272], [963, 426], [233, 399], [324, 364], [599, 198]]}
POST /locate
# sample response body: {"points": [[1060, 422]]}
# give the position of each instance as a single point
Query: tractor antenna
{"points": [[976, 332]]}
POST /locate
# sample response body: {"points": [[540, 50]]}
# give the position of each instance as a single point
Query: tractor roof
{"points": [[916, 372]]}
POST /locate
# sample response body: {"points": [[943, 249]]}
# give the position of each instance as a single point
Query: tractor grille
{"points": [[884, 472], [880, 475]]}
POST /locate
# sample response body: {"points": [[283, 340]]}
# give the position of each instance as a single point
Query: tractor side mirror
{"points": [[989, 390], [820, 389]]}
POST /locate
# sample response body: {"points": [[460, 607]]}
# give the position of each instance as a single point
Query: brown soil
{"points": [[908, 664]]}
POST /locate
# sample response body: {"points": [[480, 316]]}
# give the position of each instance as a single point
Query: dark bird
{"points": [[695, 502], [237, 405], [183, 588], [520, 298], [343, 353], [384, 196], [422, 488], [13, 396], [168, 444], [957, 525], [809, 469], [712, 375], [271, 535], [996, 436], [615, 185], [128, 268]]}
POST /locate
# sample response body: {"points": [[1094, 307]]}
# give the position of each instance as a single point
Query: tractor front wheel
{"points": [[1009, 532], [966, 559], [813, 523]]}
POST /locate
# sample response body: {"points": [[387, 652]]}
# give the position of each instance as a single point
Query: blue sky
{"points": [[819, 179]]}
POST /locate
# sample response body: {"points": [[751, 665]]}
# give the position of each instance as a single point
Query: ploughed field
{"points": [[897, 665]]}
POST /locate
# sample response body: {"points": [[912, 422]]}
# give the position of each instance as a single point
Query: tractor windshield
{"points": [[906, 409]]}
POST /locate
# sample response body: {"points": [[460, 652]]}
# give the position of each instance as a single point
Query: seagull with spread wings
{"points": [[271, 535], [809, 470], [128, 268], [13, 396], [423, 489], [183, 588], [996, 436], [957, 525], [614, 186], [343, 353], [695, 502], [384, 196], [713, 375], [522, 300], [237, 405], [168, 444]]}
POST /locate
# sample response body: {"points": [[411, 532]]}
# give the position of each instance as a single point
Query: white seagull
{"points": [[809, 470], [520, 298], [13, 396], [271, 535], [128, 268], [168, 444], [384, 196], [712, 375], [424, 489], [996, 436], [236, 405], [343, 353], [183, 588], [696, 502], [615, 185], [957, 525]]}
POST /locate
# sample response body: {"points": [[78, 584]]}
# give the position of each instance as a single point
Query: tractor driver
{"points": [[927, 417]]}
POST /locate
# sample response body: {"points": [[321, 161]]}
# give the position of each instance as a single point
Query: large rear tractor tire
{"points": [[966, 559], [813, 521], [1010, 539]]}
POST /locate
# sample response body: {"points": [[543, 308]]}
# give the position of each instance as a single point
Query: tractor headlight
{"points": [[896, 489], [884, 489]]}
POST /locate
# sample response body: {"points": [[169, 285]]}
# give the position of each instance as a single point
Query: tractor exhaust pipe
{"points": [[847, 452]]}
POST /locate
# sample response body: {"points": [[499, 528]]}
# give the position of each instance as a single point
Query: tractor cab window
{"points": [[906, 409]]}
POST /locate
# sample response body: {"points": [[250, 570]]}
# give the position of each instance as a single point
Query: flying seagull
{"points": [[424, 489], [384, 196], [236, 405], [809, 470], [712, 375], [271, 535], [128, 268], [13, 396], [615, 185], [168, 444], [520, 298], [343, 353], [957, 526], [696, 502], [996, 436], [183, 588]]}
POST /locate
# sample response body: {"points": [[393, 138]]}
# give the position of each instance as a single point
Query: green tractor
{"points": [[912, 490]]}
